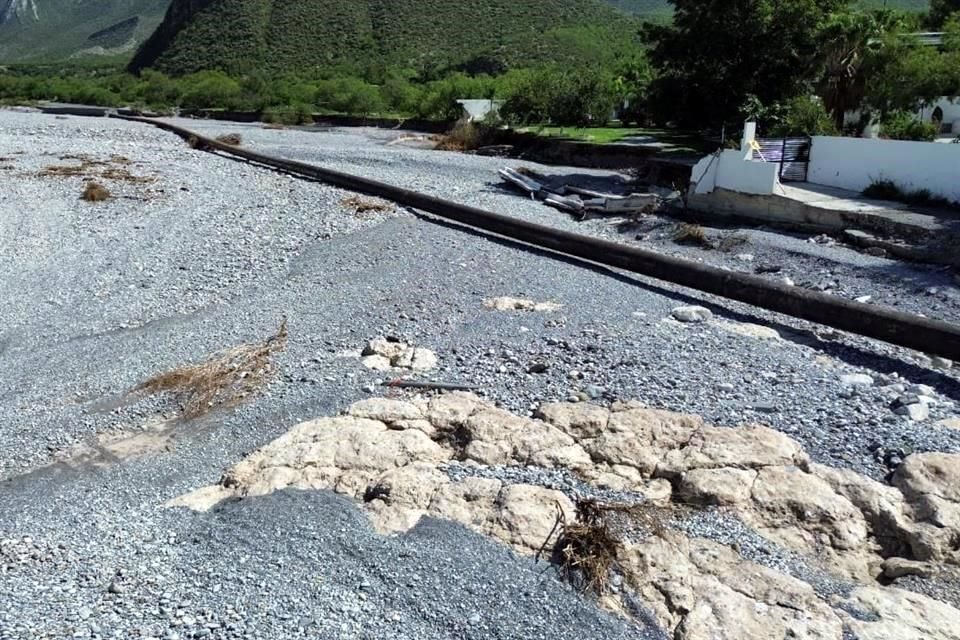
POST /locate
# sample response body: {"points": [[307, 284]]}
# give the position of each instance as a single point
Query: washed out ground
{"points": [[207, 252]]}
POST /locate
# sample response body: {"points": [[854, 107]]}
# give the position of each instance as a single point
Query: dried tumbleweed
{"points": [[224, 380]]}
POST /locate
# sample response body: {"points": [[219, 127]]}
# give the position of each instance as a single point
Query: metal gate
{"points": [[792, 154]]}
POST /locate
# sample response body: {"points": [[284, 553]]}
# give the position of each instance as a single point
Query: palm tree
{"points": [[848, 42]]}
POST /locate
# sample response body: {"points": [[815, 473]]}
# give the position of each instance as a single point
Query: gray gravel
{"points": [[99, 297]]}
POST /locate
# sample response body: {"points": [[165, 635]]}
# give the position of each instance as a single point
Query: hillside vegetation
{"points": [[238, 36], [65, 28], [652, 8]]}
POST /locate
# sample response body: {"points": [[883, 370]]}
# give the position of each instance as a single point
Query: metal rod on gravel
{"points": [[882, 323]]}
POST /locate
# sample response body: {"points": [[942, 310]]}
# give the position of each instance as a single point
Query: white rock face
{"points": [[691, 314]]}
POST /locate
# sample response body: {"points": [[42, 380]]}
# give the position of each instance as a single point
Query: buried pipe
{"points": [[882, 323]]}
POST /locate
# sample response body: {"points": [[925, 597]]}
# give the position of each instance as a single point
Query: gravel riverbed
{"points": [[206, 252]]}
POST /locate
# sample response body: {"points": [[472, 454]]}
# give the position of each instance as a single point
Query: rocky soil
{"points": [[836, 513]]}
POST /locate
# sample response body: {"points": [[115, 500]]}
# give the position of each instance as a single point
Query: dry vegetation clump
{"points": [[95, 192], [232, 139], [91, 167], [691, 234], [117, 173], [362, 205], [465, 136], [587, 549], [224, 380], [273, 125]]}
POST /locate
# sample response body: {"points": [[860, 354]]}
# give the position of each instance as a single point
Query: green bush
{"points": [[805, 116], [210, 90], [902, 125]]}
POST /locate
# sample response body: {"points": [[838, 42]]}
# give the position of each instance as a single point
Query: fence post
{"points": [[783, 156]]}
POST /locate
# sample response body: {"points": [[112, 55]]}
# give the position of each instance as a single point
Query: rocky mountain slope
{"points": [[42, 30], [239, 35]]}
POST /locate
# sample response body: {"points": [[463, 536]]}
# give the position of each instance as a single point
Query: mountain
{"points": [[242, 35], [44, 30]]}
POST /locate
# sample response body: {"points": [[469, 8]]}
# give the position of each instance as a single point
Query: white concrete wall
{"points": [[951, 113], [732, 171], [855, 163]]}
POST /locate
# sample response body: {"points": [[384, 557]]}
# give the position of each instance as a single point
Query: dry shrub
{"points": [[366, 205], [691, 234], [95, 192], [465, 136], [224, 380], [232, 139], [273, 125], [587, 549]]}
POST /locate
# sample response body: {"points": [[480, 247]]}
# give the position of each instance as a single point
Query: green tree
{"points": [[851, 49], [940, 12], [718, 52]]}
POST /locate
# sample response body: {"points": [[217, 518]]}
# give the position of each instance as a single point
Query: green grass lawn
{"points": [[673, 141]]}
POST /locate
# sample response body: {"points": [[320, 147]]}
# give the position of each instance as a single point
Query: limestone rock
{"points": [[377, 363], [787, 495], [385, 410], [525, 514], [499, 437], [894, 568], [725, 486], [389, 349], [506, 303], [577, 420], [691, 314], [901, 615], [748, 447]]}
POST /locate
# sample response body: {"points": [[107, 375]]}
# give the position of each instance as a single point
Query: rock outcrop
{"points": [[395, 457]]}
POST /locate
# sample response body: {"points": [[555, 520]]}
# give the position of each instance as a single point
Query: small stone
{"points": [[538, 367], [114, 587], [725, 386], [788, 281], [474, 619], [856, 380], [691, 314], [573, 398], [744, 257], [863, 299]]}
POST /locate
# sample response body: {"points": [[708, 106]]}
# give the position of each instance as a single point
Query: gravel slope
{"points": [[99, 297]]}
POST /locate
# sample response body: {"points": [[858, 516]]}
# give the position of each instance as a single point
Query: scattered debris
{"points": [[95, 192], [576, 200], [224, 380], [232, 139], [362, 205]]}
